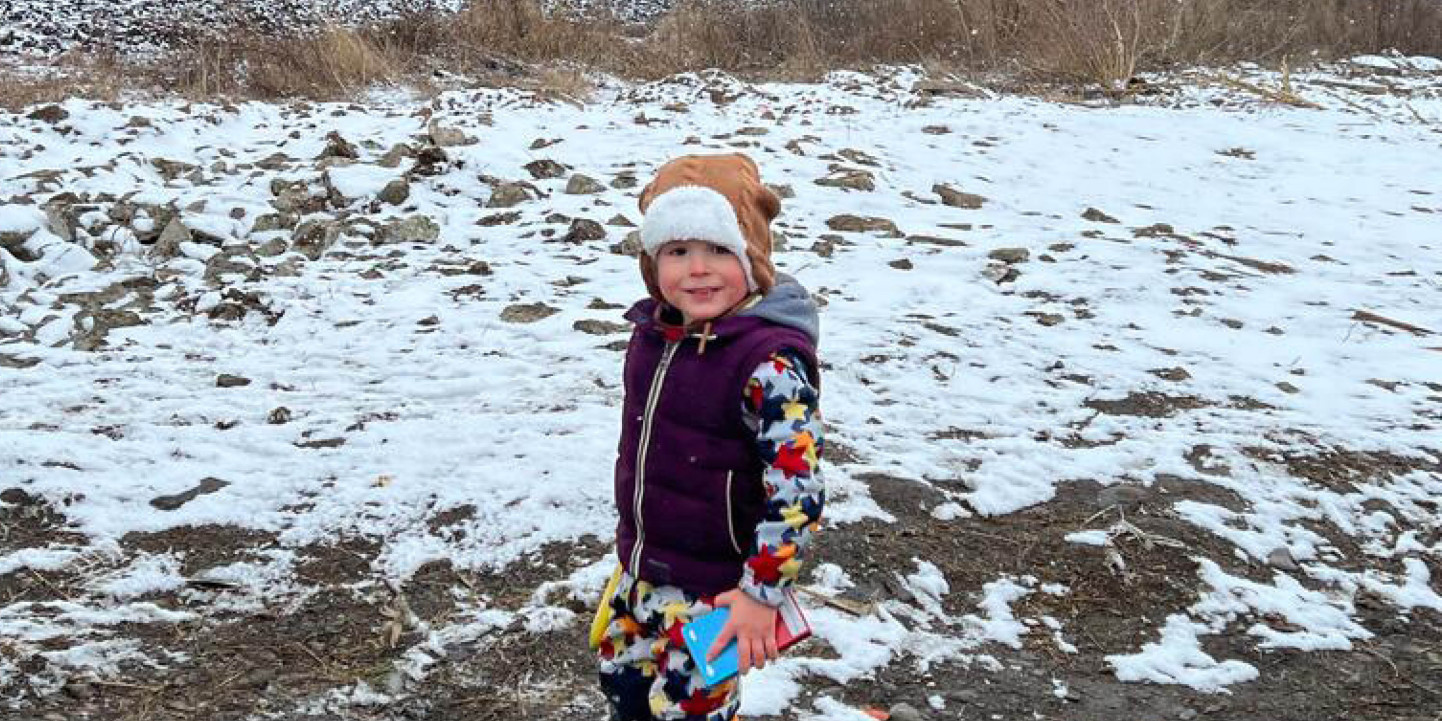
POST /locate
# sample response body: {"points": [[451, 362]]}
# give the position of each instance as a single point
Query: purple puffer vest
{"points": [[688, 478]]}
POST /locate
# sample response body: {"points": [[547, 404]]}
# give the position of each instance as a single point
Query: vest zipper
{"points": [[730, 524], [652, 399]]}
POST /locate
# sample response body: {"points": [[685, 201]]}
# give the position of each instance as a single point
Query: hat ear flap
{"points": [[769, 203]]}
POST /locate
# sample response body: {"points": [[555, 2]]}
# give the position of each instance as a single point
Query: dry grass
{"points": [[1097, 41]]}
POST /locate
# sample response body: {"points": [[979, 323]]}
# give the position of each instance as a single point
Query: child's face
{"points": [[699, 279]]}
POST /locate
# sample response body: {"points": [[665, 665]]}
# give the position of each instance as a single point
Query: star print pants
{"points": [[646, 670]]}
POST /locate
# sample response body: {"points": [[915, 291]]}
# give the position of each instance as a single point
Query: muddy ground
{"points": [[276, 662]]}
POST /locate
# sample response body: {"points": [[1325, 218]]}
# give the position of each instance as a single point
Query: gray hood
{"points": [[789, 304]]}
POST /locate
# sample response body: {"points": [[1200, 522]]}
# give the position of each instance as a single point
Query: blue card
{"points": [[700, 635]]}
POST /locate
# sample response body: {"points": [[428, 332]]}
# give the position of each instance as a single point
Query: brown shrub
{"points": [[1103, 41]]}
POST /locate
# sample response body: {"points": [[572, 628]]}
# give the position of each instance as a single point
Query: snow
{"points": [[517, 420], [1179, 659]]}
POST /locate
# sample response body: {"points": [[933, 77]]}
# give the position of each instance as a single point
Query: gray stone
{"points": [[1281, 558], [1096, 216], [338, 147], [271, 248], [394, 156], [859, 224], [1010, 255], [168, 245], [906, 712], [956, 198], [545, 169], [313, 238], [171, 503], [446, 137], [849, 179], [582, 230], [413, 229], [583, 185], [1000, 273], [273, 221], [508, 195], [599, 327], [396, 192], [527, 312]]}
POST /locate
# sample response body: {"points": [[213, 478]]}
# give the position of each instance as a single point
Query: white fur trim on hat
{"points": [[693, 212]]}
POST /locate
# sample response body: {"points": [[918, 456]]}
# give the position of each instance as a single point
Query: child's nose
{"points": [[698, 264]]}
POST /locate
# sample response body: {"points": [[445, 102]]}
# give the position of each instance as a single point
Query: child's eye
{"points": [[720, 250], [677, 250]]}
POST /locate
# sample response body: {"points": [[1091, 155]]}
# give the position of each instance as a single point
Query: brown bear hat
{"points": [[715, 198]]}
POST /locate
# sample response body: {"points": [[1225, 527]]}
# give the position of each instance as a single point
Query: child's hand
{"points": [[753, 625]]}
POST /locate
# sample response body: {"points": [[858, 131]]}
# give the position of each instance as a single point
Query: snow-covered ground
{"points": [[1226, 269]]}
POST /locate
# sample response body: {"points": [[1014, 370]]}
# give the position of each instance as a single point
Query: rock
{"points": [[171, 503], [77, 689], [901, 264], [1096, 216], [226, 263], [394, 156], [508, 195], [625, 181], [413, 229], [271, 248], [1010, 255], [1281, 558], [600, 327], [1049, 319], [62, 220], [784, 192], [272, 222], [314, 237], [527, 312], [168, 245], [824, 248], [446, 137], [848, 223], [1000, 273], [620, 221], [956, 198], [582, 230], [172, 169], [935, 240], [545, 169], [226, 380], [936, 130], [138, 121], [1176, 374], [430, 160], [1282, 386], [849, 179], [49, 114], [778, 241], [495, 219], [338, 147], [631, 245], [583, 185], [906, 712], [297, 198], [396, 192]]}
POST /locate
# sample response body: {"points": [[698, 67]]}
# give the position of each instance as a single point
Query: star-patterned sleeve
{"points": [[783, 408]]}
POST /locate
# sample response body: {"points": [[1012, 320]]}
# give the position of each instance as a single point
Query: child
{"points": [[716, 477]]}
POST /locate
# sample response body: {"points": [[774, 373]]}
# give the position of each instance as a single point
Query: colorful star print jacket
{"points": [[716, 474]]}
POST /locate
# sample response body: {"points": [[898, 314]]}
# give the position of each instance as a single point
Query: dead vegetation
{"points": [[500, 41]]}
